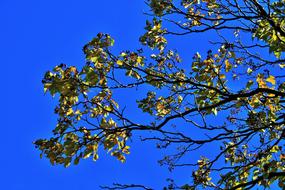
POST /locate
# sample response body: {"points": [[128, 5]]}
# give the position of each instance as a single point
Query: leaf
{"points": [[46, 87], [198, 55], [126, 150], [222, 76], [159, 106], [249, 84], [73, 69], [275, 149], [69, 112], [179, 99], [215, 111], [76, 161], [277, 54], [87, 153], [129, 72], [228, 65], [67, 162], [249, 71], [271, 79], [260, 81], [119, 62], [136, 75], [108, 108], [139, 59], [123, 54], [112, 42], [95, 157]]}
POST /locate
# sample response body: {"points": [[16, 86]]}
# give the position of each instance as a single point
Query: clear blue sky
{"points": [[36, 35]]}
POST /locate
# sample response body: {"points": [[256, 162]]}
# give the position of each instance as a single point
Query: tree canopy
{"points": [[233, 95]]}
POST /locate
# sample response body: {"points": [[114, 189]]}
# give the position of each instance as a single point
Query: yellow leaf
{"points": [[126, 150], [87, 155], [69, 111], [123, 54], [260, 81], [108, 108], [136, 75], [271, 79], [275, 149], [119, 62], [282, 65], [159, 106], [73, 69], [77, 112], [254, 102], [228, 65], [215, 111], [179, 99], [139, 59], [222, 76], [94, 59]]}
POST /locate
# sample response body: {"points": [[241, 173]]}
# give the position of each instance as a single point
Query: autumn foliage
{"points": [[240, 81]]}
